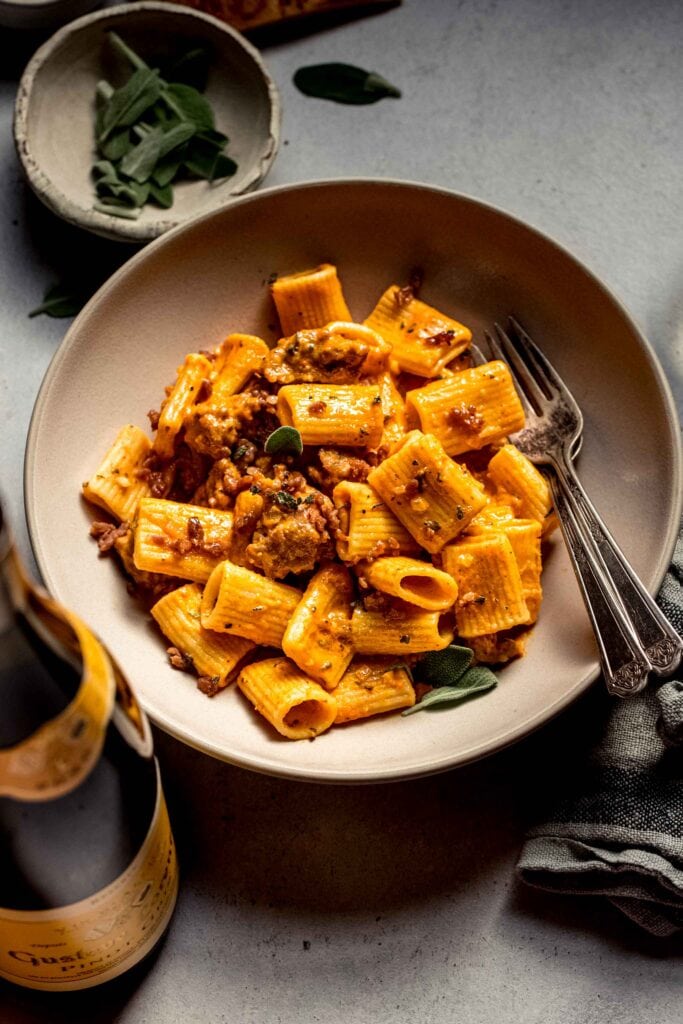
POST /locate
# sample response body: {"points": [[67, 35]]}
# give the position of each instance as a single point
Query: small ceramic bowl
{"points": [[55, 113]]}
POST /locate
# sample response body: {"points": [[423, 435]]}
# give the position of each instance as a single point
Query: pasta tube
{"points": [[214, 655], [490, 591], [514, 474], [239, 357], [393, 410], [181, 540], [423, 340], [434, 497], [318, 636], [418, 583], [403, 629], [368, 529], [244, 603], [116, 485], [525, 538], [183, 396], [340, 414], [311, 298], [295, 705], [468, 409], [372, 686]]}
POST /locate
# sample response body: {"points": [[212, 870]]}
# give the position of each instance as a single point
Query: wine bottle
{"points": [[88, 871]]}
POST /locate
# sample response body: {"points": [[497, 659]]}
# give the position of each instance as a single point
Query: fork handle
{"points": [[625, 666], [662, 645]]}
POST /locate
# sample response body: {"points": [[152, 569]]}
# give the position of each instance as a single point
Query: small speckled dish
{"points": [[54, 113]]}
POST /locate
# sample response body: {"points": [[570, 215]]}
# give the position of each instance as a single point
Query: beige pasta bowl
{"points": [[54, 122], [209, 278]]}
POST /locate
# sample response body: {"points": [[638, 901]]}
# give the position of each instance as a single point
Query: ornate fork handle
{"points": [[624, 664], [660, 641]]}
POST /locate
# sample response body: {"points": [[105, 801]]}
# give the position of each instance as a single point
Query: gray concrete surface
{"points": [[398, 903]]}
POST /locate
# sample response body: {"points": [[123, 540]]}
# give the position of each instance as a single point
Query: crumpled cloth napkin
{"points": [[619, 833]]}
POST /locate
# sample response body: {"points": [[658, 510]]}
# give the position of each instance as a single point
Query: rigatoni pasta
{"points": [[215, 656], [469, 409], [311, 518], [116, 485]]}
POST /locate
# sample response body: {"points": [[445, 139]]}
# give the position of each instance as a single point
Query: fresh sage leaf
{"points": [[59, 301], [117, 145], [176, 136], [443, 668], [284, 440], [169, 165], [189, 105], [214, 138], [125, 51], [201, 159], [224, 167], [139, 163], [343, 83], [128, 103], [162, 196], [117, 209], [477, 679]]}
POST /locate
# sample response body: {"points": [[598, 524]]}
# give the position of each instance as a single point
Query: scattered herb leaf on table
{"points": [[344, 83]]}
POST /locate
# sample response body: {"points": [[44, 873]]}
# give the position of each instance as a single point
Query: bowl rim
{"points": [[92, 220], [499, 741]]}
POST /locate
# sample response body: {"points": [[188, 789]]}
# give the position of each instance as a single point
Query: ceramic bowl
{"points": [[55, 108], [193, 286]]}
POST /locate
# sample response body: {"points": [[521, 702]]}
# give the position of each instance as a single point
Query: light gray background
{"points": [[398, 903]]}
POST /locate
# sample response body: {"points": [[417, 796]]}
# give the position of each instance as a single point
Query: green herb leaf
{"points": [[284, 440], [474, 680], [142, 159], [117, 145], [343, 83], [286, 500], [443, 668], [167, 168], [129, 102], [176, 136], [189, 105], [126, 51], [60, 300], [117, 208], [162, 196], [224, 167]]}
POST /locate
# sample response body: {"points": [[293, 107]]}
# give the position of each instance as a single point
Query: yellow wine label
{"points": [[58, 756], [98, 938]]}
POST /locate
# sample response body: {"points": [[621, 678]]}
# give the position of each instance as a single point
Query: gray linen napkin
{"points": [[620, 832]]}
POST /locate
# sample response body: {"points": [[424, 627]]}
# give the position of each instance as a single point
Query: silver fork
{"points": [[634, 637]]}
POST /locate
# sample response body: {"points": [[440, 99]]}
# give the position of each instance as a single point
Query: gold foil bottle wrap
{"points": [[95, 939], [56, 758], [98, 938]]}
